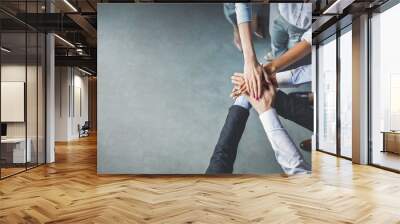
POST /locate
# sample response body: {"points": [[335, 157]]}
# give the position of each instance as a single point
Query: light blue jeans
{"points": [[284, 36]]}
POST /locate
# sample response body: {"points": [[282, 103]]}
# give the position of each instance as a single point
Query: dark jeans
{"points": [[225, 151], [294, 109]]}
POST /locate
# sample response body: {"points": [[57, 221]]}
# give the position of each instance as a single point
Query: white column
{"points": [[50, 93], [360, 90], [314, 91]]}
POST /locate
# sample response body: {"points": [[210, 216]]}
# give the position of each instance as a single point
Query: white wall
{"points": [[79, 117], [34, 125], [70, 81], [17, 73]]}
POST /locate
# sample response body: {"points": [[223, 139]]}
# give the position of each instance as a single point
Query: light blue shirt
{"points": [[297, 14], [243, 12]]}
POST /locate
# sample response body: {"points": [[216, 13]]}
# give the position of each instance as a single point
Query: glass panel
{"points": [[41, 99], [23, 90], [31, 88], [31, 100], [327, 97], [13, 88], [346, 94], [385, 85]]}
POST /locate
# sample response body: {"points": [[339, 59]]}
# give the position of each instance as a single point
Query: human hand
{"points": [[253, 76], [270, 72], [239, 85], [266, 101], [267, 97]]}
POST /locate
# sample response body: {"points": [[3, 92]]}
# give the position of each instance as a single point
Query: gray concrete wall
{"points": [[163, 91]]}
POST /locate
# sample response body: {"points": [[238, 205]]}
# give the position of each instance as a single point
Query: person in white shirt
{"points": [[286, 152]]}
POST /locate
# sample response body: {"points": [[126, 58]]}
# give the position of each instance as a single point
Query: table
{"points": [[17, 149], [391, 141]]}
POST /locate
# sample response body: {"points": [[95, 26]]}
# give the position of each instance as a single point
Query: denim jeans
{"points": [[225, 151], [284, 36]]}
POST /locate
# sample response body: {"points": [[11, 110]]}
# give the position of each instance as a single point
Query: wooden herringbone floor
{"points": [[70, 191]]}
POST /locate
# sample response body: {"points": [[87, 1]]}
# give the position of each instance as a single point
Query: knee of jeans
{"points": [[279, 40]]}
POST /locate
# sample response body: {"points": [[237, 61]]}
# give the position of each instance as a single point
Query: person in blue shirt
{"points": [[289, 48], [256, 22]]}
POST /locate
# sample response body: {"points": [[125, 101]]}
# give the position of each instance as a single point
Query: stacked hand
{"points": [[255, 74], [268, 89]]}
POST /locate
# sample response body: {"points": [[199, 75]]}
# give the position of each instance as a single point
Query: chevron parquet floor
{"points": [[70, 191]]}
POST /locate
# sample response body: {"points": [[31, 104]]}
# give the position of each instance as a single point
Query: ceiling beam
{"points": [[84, 24], [337, 7], [83, 61]]}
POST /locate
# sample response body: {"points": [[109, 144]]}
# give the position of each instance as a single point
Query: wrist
{"points": [[270, 68], [250, 59], [264, 108]]}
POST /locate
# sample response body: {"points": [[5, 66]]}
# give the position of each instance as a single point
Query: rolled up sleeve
{"points": [[243, 12]]}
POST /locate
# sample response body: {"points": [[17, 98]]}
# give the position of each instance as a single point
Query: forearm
{"points": [[243, 15], [287, 154], [247, 42], [294, 54]]}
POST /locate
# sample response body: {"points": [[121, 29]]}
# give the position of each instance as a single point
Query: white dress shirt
{"points": [[294, 77], [287, 154]]}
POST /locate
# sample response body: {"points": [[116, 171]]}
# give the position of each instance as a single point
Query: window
{"points": [[385, 89], [327, 96], [346, 95]]}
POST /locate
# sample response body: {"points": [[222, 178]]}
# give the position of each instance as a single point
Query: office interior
{"points": [[49, 114], [48, 93], [338, 88]]}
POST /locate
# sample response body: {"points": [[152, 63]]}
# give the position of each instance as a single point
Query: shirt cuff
{"points": [[302, 74], [307, 36], [243, 13], [270, 120], [284, 79]]}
